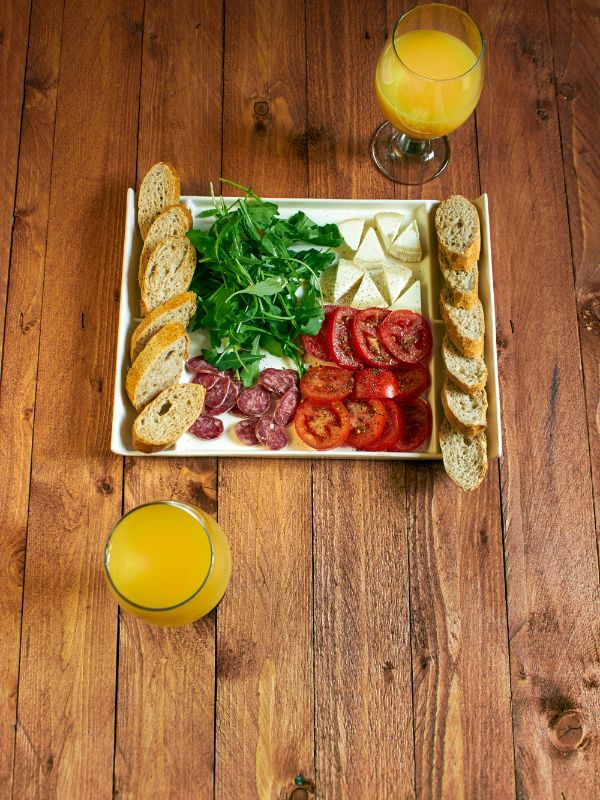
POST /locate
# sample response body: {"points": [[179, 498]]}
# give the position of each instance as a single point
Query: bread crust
{"points": [[147, 217], [165, 337]]}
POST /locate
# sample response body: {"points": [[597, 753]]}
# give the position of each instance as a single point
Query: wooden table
{"points": [[384, 635]]}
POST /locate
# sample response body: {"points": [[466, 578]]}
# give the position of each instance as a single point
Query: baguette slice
{"points": [[173, 221], [168, 417], [469, 374], [467, 412], [169, 272], [465, 327], [160, 188], [463, 287], [159, 364], [458, 232], [180, 308], [465, 460]]}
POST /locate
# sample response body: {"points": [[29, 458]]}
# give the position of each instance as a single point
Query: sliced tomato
{"points": [[412, 382], [321, 425], [366, 340], [339, 341], [416, 416], [407, 335], [317, 345], [327, 383], [367, 421], [392, 429], [373, 382]]}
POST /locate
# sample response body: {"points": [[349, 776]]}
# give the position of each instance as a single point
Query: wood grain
{"points": [[21, 343], [264, 736], [166, 678], [64, 743], [14, 32], [551, 558], [364, 720]]}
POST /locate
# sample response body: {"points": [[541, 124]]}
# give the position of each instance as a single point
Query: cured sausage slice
{"points": [[287, 405], [207, 427], [278, 381], [246, 431], [270, 433], [254, 402]]}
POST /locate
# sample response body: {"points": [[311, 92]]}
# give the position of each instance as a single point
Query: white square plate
{"points": [[321, 211]]}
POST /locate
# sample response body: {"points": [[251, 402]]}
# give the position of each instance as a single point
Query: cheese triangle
{"points": [[368, 295], [347, 276], [388, 224], [370, 253], [351, 231], [411, 299], [397, 278], [407, 246]]}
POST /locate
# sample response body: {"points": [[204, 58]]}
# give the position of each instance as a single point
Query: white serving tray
{"points": [[321, 211]]}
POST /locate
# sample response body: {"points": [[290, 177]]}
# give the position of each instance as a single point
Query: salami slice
{"points": [[198, 364], [216, 394], [226, 403], [278, 381], [246, 431], [254, 402], [270, 433], [287, 405], [207, 427], [206, 379]]}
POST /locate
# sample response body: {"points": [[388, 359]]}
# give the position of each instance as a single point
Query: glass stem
{"points": [[403, 146]]}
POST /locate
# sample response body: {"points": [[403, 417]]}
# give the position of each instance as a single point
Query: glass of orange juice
{"points": [[167, 563], [428, 81]]}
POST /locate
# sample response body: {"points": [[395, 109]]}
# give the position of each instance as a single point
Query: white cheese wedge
{"points": [[352, 231], [388, 224], [397, 278], [328, 283], [407, 246], [370, 253], [348, 275], [378, 278], [368, 295], [411, 299]]}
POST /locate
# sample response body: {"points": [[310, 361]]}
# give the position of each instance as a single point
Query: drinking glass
{"points": [[428, 81], [167, 563]]}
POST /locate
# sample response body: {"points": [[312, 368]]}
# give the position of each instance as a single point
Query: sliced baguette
{"points": [[168, 417], [469, 374], [180, 308], [458, 231], [462, 286], [160, 188], [173, 221], [169, 272], [467, 412], [465, 326], [159, 365], [465, 460]]}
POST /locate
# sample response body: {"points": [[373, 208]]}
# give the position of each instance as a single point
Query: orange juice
{"points": [[168, 563], [424, 86]]}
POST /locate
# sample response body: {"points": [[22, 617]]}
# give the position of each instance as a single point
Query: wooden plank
{"points": [[364, 721], [65, 721], [551, 557], [14, 33], [21, 343], [166, 684], [265, 709]]}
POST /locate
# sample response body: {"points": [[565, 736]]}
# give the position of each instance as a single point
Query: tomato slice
{"points": [[373, 382], [327, 383], [412, 382], [392, 429], [317, 345], [407, 335], [367, 421], [366, 340], [322, 426], [416, 416], [339, 339]]}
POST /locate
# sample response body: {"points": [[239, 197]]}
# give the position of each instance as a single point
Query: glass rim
{"points": [[443, 5], [193, 513]]}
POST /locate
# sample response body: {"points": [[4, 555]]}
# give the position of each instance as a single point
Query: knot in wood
{"points": [[566, 91], [261, 108], [567, 731], [299, 794]]}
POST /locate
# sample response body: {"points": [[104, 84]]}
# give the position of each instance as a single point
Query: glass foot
{"points": [[406, 160]]}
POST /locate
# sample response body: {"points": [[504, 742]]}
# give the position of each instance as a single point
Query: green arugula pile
{"points": [[254, 291]]}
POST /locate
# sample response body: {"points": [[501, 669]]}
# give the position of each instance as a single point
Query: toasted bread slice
{"points": [[169, 272], [159, 365], [467, 412], [463, 287], [465, 460], [180, 308], [458, 231], [173, 221], [160, 188], [469, 374], [465, 326], [168, 417]]}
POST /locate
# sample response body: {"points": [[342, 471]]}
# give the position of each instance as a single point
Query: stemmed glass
{"points": [[428, 81]]}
